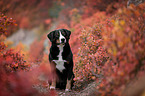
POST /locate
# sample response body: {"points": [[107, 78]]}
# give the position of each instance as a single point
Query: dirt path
{"points": [[89, 90]]}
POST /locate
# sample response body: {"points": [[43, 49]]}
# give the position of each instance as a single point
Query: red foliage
{"points": [[36, 50], [9, 59], [35, 11], [91, 55], [5, 24], [16, 83], [113, 49], [12, 61], [124, 42], [13, 80]]}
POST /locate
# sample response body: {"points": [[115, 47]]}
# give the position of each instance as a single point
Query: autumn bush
{"points": [[14, 76], [27, 14], [91, 54], [113, 50], [5, 24], [124, 42], [12, 61], [35, 52], [110, 6]]}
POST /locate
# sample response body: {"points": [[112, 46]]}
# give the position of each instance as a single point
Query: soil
{"points": [[85, 90]]}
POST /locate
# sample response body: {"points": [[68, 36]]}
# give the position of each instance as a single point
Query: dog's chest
{"points": [[60, 62]]}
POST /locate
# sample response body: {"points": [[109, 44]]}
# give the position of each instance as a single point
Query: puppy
{"points": [[61, 59]]}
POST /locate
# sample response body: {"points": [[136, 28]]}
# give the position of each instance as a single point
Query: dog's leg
{"points": [[69, 81], [68, 85], [53, 70], [70, 77], [53, 85]]}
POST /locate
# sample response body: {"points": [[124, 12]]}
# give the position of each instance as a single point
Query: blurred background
{"points": [[107, 41]]}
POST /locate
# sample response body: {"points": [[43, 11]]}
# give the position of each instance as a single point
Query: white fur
{"points": [[52, 87], [61, 37], [60, 61], [67, 90]]}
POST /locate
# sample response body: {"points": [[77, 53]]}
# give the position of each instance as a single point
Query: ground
{"points": [[89, 90]]}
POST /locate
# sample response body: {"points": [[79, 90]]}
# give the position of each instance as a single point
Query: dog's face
{"points": [[60, 36]]}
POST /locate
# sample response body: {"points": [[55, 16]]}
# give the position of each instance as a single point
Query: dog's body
{"points": [[61, 59]]}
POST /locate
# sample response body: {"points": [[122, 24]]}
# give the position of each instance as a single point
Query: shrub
{"points": [[124, 42], [13, 80], [6, 22], [113, 51]]}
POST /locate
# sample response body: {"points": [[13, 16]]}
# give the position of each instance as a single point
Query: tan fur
{"points": [[53, 85], [53, 70], [68, 85]]}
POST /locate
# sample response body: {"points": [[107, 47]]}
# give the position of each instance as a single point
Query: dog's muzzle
{"points": [[62, 40]]}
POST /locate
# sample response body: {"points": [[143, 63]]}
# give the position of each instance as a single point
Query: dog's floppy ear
{"points": [[51, 36], [68, 33]]}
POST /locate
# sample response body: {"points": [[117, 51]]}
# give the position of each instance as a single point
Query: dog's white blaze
{"points": [[61, 37], [60, 61]]}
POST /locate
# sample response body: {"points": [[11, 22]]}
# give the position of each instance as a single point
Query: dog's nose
{"points": [[62, 40]]}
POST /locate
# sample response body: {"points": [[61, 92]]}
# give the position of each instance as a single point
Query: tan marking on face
{"points": [[57, 41], [67, 62]]}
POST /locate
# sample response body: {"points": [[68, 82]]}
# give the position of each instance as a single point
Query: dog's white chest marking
{"points": [[60, 65], [60, 53], [60, 61]]}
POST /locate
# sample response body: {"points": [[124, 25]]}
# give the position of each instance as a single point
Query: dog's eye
{"points": [[63, 33], [57, 34]]}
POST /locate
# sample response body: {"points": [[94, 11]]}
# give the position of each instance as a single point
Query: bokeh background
{"points": [[107, 40]]}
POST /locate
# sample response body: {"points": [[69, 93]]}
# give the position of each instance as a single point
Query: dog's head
{"points": [[60, 36]]}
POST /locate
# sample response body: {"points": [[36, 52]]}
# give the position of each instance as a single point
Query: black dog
{"points": [[61, 59]]}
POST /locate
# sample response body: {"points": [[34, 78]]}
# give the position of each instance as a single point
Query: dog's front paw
{"points": [[67, 90], [52, 87]]}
